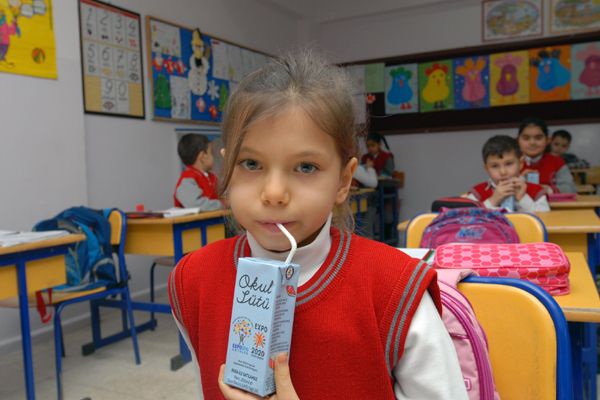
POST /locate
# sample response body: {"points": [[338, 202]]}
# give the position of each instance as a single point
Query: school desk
{"points": [[582, 310], [582, 201], [172, 237], [358, 202], [388, 194], [574, 231], [27, 268], [585, 189]]}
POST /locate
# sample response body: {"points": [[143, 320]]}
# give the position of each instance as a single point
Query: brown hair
{"points": [[303, 79]]}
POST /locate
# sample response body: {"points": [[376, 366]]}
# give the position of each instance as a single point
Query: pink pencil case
{"points": [[558, 197], [544, 264]]}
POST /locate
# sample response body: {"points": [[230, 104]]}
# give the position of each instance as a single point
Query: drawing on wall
{"points": [[550, 73], [192, 73], [574, 15], [111, 55], [471, 82], [509, 78], [507, 19], [27, 44], [436, 86], [401, 89], [585, 70]]}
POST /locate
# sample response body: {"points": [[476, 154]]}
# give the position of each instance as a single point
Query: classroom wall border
{"points": [[557, 112]]}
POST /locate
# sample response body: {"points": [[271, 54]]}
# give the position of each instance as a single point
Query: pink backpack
{"points": [[468, 225], [468, 337], [544, 264]]}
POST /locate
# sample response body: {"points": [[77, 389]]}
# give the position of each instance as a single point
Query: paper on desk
{"points": [[421, 254], [12, 238], [178, 212]]}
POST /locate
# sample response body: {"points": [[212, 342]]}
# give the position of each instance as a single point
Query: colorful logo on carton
{"points": [[242, 328], [259, 340], [290, 290]]}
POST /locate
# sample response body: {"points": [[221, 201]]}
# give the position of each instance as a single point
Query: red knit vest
{"points": [[379, 161], [483, 191], [547, 166], [350, 323], [208, 184]]}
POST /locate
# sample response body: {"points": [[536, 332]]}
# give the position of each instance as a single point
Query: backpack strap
{"points": [[452, 277], [45, 314]]}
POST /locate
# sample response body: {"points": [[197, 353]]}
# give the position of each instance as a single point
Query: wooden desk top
{"points": [[570, 221], [585, 189], [42, 244], [360, 192], [583, 201], [178, 220], [583, 303]]}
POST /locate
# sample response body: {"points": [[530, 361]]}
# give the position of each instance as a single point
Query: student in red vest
{"points": [[541, 167], [505, 188], [383, 161], [197, 186], [367, 322]]}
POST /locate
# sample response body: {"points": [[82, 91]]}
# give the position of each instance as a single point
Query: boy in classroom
{"points": [[367, 319], [559, 146], [383, 161], [541, 167], [505, 188], [197, 186]]}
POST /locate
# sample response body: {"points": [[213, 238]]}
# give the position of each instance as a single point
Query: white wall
{"points": [[438, 164], [52, 156]]}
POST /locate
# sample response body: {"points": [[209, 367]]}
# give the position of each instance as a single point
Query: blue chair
{"points": [[528, 338], [61, 300]]}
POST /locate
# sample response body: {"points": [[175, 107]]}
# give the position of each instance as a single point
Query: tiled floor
{"points": [[108, 374]]}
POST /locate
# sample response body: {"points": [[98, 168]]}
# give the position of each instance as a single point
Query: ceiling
{"points": [[336, 10]]}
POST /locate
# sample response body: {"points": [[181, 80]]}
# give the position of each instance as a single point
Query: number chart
{"points": [[111, 54]]}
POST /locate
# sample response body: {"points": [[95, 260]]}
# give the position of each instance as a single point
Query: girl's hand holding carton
{"points": [[283, 382]]}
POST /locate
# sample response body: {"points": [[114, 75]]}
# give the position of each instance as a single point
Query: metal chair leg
{"points": [[58, 351], [152, 318]]}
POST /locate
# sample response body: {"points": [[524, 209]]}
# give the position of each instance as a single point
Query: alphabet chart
{"points": [[111, 60]]}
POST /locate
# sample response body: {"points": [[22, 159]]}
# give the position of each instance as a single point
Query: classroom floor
{"points": [[110, 373]]}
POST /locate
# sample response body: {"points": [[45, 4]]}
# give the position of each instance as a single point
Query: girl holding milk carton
{"points": [[366, 321]]}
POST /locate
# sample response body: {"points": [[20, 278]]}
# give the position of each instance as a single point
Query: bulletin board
{"points": [[111, 54], [193, 73], [488, 86]]}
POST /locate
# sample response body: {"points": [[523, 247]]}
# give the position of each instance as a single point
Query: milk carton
{"points": [[261, 322], [533, 177], [509, 203]]}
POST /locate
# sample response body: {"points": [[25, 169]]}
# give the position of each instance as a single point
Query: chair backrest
{"points": [[527, 336], [118, 230], [529, 228], [116, 219]]}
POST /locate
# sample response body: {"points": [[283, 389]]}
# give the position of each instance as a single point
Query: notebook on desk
{"points": [[143, 214], [562, 197]]}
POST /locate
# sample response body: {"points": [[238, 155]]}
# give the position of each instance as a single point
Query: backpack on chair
{"points": [[89, 263], [469, 225], [467, 336]]}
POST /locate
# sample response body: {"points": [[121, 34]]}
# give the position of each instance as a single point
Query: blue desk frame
{"points": [[184, 355], [20, 260]]}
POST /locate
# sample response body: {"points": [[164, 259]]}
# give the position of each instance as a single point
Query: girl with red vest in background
{"points": [[383, 161], [541, 167], [367, 322]]}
